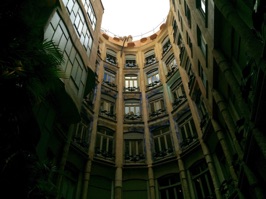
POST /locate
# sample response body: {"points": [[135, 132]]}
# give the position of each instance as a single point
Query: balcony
{"points": [[110, 84], [227, 189], [153, 84], [103, 154], [179, 101], [187, 142], [150, 60], [111, 59], [81, 142], [131, 89], [130, 64], [140, 158], [108, 114], [171, 71], [157, 113], [163, 154], [166, 47], [132, 117]]}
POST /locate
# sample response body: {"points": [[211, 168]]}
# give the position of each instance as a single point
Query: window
{"points": [[201, 5], [108, 109], [166, 45], [162, 143], [170, 187], [202, 181], [89, 99], [105, 143], [202, 74], [111, 57], [79, 23], [134, 147], [132, 110], [176, 31], [178, 95], [130, 61], [109, 78], [91, 14], [81, 135], [171, 65], [188, 132], [153, 78], [157, 108], [131, 83], [201, 42], [189, 43], [203, 114], [73, 64], [187, 13], [150, 57]]}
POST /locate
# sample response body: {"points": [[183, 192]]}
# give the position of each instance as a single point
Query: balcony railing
{"points": [[132, 117], [111, 59], [163, 154], [178, 101], [81, 142], [166, 47], [131, 89], [130, 64], [227, 189], [108, 114], [188, 141], [153, 84], [111, 84], [157, 113], [150, 60], [172, 70], [134, 158], [104, 154]]}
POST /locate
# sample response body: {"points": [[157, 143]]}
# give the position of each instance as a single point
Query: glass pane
{"points": [[163, 144], [156, 145], [104, 141], [110, 147]]}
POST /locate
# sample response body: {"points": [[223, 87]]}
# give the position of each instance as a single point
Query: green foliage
{"points": [[26, 60]]}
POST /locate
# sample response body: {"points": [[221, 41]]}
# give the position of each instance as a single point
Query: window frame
{"points": [[134, 148], [106, 152], [131, 83], [162, 142]]}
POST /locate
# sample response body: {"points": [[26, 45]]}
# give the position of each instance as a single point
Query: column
{"points": [[212, 169], [228, 155]]}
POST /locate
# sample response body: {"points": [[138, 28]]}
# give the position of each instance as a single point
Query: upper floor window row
{"points": [[131, 83], [111, 57], [201, 5], [109, 78], [153, 78], [79, 23], [166, 45], [90, 11], [130, 61], [73, 64], [150, 57]]}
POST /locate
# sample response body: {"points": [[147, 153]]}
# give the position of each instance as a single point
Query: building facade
{"points": [[177, 114]]}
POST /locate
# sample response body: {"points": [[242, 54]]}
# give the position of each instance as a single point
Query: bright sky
{"points": [[134, 17]]}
